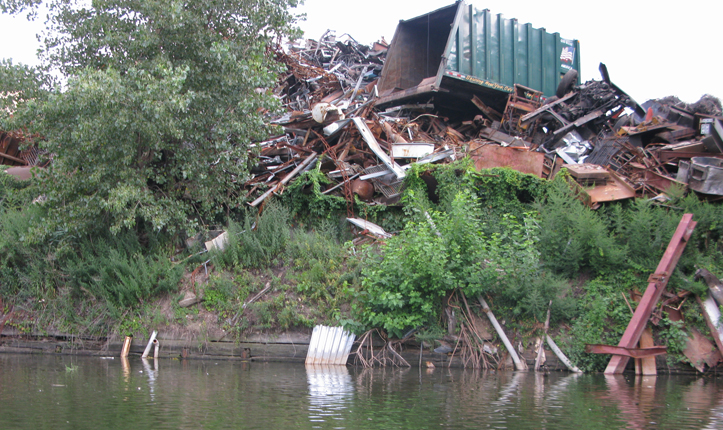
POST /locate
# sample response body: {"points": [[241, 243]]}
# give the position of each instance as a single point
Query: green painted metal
{"points": [[482, 48]]}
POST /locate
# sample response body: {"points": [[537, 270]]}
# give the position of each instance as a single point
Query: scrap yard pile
{"points": [[364, 140], [362, 115]]}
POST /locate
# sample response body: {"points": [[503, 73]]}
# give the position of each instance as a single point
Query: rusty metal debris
{"points": [[657, 282], [345, 120], [17, 152], [627, 352], [361, 115]]}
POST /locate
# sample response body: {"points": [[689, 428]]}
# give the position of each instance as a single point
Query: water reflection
{"points": [[646, 401], [716, 414], [192, 394], [330, 391], [151, 373]]}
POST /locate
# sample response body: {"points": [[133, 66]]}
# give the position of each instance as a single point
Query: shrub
{"points": [[118, 271], [574, 238], [434, 256], [254, 245]]}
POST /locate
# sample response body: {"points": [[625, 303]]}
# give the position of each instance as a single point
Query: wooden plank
{"points": [[647, 364], [712, 318], [658, 282]]}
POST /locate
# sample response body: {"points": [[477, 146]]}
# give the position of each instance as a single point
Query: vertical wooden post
{"points": [[647, 364], [126, 346]]}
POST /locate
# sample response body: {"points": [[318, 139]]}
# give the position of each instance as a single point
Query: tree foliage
{"points": [[160, 101]]}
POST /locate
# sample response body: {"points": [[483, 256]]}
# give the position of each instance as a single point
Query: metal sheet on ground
{"points": [[522, 160]]}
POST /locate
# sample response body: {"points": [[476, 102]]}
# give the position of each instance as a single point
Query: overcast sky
{"points": [[651, 49]]}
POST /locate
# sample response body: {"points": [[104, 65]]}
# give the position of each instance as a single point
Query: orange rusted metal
{"points": [[658, 282]]}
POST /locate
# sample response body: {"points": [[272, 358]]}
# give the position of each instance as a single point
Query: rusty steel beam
{"points": [[657, 283], [658, 181], [15, 159], [627, 352], [665, 155]]}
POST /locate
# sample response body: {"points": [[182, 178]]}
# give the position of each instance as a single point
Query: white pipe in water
{"points": [[150, 342]]}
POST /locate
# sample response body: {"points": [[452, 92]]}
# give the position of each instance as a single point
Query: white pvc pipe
{"points": [[150, 343], [519, 365], [561, 356]]}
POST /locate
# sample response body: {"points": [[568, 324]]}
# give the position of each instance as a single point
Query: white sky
{"points": [[651, 49]]}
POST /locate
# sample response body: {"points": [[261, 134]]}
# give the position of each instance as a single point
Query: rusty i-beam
{"points": [[656, 286]]}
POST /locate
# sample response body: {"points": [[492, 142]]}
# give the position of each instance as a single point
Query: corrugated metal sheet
{"points": [[329, 345]]}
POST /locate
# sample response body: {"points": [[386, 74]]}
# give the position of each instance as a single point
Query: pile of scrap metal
{"points": [[612, 147], [363, 114], [331, 123], [328, 71], [20, 161], [616, 149]]}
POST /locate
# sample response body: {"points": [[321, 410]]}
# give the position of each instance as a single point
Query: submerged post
{"points": [[558, 352], [126, 346], [540, 350]]}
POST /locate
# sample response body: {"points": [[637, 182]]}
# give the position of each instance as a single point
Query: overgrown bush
{"points": [[27, 268], [574, 238], [604, 315], [313, 210], [318, 267], [439, 252], [500, 191]]}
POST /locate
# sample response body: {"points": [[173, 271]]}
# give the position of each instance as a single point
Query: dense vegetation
{"points": [[149, 136], [539, 244], [150, 124]]}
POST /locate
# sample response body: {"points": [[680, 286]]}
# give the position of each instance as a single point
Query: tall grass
{"points": [[257, 241]]}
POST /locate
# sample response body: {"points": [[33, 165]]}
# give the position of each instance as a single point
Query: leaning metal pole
{"points": [[657, 283]]}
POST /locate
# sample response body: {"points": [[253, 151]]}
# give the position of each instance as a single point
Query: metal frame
{"points": [[657, 283]]}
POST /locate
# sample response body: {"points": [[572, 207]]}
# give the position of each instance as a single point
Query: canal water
{"points": [[66, 392]]}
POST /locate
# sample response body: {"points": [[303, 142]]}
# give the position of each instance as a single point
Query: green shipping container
{"points": [[457, 51]]}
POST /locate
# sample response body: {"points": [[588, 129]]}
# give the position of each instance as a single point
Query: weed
{"points": [[250, 246], [675, 338], [117, 271]]}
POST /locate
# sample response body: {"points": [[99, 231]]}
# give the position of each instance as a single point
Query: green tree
{"points": [[160, 101]]}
